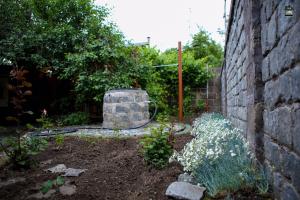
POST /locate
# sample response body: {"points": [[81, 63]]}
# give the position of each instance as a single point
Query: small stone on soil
{"points": [[73, 172], [67, 189], [60, 168], [184, 190]]}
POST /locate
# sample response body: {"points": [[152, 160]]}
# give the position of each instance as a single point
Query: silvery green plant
{"points": [[219, 157]]}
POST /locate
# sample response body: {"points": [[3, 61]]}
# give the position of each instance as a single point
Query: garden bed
{"points": [[115, 170]]}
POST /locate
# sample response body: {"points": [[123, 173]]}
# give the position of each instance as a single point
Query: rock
{"points": [[73, 172], [40, 195], [60, 168], [186, 178], [12, 181], [67, 189], [184, 190]]}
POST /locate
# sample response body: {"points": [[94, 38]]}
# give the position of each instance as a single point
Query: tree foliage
{"points": [[73, 40], [162, 84]]}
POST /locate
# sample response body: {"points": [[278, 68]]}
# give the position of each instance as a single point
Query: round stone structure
{"points": [[125, 108]]}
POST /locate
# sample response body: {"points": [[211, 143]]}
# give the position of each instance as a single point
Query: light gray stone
{"points": [[125, 109], [296, 130], [290, 164], [67, 190], [122, 109], [272, 152], [284, 126], [184, 190], [295, 82], [289, 193], [271, 31], [265, 69], [60, 168], [73, 172], [277, 184]]}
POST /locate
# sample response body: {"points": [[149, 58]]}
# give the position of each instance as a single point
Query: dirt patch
{"points": [[115, 170]]}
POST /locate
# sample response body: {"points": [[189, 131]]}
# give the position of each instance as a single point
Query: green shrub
{"points": [[219, 157], [200, 104], [59, 139], [157, 147], [45, 122], [77, 118], [21, 150]]}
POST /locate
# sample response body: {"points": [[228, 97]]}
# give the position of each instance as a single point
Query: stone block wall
{"points": [[124, 109], [261, 86]]}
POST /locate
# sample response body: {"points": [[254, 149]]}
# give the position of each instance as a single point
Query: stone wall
{"points": [[123, 109], [261, 86]]}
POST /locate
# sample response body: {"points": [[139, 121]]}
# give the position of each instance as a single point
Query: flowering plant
{"points": [[219, 156]]}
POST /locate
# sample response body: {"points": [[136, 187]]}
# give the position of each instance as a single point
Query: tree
{"points": [[74, 40], [205, 48]]}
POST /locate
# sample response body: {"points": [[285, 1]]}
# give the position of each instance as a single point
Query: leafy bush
{"points": [[21, 150], [59, 139], [157, 147], [45, 121], [219, 157], [201, 104], [77, 118]]}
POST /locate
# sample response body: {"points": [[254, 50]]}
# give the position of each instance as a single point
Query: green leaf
{"points": [[46, 186], [60, 181]]}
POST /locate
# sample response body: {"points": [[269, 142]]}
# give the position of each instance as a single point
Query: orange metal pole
{"points": [[180, 85]]}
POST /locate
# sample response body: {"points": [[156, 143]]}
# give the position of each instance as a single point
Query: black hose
{"points": [[71, 130], [136, 127]]}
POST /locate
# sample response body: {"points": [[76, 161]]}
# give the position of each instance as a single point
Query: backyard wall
{"points": [[260, 88], [214, 96]]}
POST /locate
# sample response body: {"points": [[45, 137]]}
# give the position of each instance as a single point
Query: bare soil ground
{"points": [[115, 170]]}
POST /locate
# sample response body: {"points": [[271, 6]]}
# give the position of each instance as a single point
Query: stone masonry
{"points": [[124, 109], [260, 88]]}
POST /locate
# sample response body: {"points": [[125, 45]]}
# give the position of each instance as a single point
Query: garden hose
{"points": [[71, 130]]}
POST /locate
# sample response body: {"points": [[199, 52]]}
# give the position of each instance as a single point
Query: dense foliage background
{"points": [[73, 40]]}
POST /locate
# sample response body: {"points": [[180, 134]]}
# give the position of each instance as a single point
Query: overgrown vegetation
{"points": [[162, 84], [77, 118], [219, 158], [21, 150], [157, 147], [59, 140], [74, 40], [45, 121]]}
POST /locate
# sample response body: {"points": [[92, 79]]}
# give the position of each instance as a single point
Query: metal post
{"points": [[180, 87], [206, 102]]}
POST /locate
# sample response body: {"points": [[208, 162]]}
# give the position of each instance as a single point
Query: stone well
{"points": [[126, 108]]}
